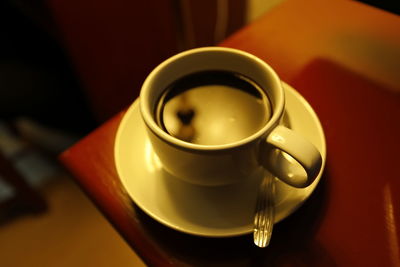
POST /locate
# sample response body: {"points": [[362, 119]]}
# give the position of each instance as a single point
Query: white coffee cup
{"points": [[223, 164]]}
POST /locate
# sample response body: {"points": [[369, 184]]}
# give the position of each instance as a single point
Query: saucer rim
{"points": [[233, 233]]}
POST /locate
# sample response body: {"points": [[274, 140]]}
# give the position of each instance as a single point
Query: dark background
{"points": [[36, 77], [61, 64]]}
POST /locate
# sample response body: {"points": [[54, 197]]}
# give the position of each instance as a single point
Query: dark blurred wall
{"points": [[392, 6], [113, 45], [64, 63], [36, 78]]}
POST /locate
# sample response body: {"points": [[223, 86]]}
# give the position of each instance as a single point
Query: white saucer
{"points": [[205, 211]]}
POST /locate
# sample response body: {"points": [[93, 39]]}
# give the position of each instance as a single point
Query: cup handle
{"points": [[303, 164]]}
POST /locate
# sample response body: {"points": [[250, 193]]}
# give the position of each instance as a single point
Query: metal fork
{"points": [[265, 212]]}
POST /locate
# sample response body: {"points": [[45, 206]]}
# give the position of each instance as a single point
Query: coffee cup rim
{"points": [[146, 113]]}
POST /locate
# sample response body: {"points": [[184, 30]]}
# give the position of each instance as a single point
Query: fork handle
{"points": [[265, 212]]}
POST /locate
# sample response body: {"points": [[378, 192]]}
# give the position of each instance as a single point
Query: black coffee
{"points": [[213, 108]]}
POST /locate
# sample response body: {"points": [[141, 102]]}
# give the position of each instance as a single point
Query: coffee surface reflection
{"points": [[213, 108]]}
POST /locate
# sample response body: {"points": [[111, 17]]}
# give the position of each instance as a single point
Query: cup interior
{"points": [[204, 59]]}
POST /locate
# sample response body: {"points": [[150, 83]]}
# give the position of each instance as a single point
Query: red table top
{"points": [[343, 57]]}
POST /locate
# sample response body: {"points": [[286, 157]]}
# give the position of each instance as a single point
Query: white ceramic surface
{"points": [[228, 162], [220, 211]]}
